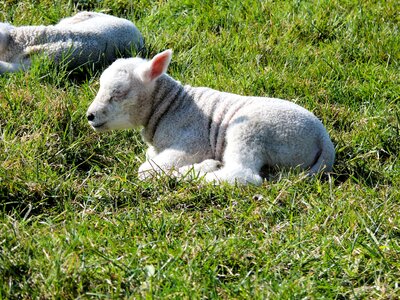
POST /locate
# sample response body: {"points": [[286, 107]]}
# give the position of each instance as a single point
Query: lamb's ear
{"points": [[157, 66]]}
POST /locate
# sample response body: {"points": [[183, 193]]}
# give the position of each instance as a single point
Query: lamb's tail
{"points": [[326, 157]]}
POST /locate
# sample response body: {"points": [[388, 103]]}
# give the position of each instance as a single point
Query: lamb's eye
{"points": [[118, 95]]}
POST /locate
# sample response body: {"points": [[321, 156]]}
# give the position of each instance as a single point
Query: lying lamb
{"points": [[222, 136], [87, 37]]}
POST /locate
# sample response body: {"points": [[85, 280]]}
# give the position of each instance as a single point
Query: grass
{"points": [[75, 222]]}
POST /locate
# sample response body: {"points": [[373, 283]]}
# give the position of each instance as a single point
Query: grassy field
{"points": [[75, 222]]}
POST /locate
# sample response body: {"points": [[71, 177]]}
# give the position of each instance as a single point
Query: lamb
{"points": [[87, 37], [221, 136]]}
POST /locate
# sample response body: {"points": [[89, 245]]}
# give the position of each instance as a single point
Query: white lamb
{"points": [[222, 136], [86, 37]]}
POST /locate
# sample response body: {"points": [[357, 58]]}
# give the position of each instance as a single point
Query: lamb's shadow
{"points": [[358, 172], [19, 202], [61, 74], [351, 166]]}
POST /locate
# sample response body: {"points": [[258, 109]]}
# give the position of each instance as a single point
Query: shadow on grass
{"points": [[171, 193], [350, 165], [24, 205], [61, 74]]}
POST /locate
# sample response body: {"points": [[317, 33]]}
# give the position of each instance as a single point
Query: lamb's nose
{"points": [[90, 117]]}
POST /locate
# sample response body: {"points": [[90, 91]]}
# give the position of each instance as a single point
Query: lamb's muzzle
{"points": [[90, 117], [95, 125], [221, 136]]}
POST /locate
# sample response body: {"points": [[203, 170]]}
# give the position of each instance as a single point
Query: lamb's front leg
{"points": [[164, 162], [7, 67], [199, 169]]}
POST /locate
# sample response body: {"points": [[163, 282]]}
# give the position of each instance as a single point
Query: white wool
{"points": [[86, 37], [221, 136]]}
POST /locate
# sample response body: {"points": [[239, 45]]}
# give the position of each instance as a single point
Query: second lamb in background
{"points": [[87, 37], [222, 136]]}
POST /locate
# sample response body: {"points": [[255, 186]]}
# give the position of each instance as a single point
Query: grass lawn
{"points": [[75, 222]]}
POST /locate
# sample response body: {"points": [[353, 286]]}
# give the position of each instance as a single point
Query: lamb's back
{"points": [[93, 39], [276, 119], [110, 30]]}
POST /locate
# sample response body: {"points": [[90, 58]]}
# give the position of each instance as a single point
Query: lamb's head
{"points": [[4, 37], [124, 98]]}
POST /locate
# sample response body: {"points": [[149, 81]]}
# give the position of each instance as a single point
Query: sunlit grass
{"points": [[77, 223]]}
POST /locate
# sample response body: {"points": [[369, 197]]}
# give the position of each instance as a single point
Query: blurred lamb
{"points": [[87, 37], [222, 136]]}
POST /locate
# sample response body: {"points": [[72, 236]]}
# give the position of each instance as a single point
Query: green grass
{"points": [[75, 222]]}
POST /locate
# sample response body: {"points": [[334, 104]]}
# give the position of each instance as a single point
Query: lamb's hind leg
{"points": [[239, 167], [235, 174]]}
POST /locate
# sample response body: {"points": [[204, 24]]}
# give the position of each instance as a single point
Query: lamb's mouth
{"points": [[98, 126]]}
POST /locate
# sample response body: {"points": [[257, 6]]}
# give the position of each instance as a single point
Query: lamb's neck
{"points": [[166, 94]]}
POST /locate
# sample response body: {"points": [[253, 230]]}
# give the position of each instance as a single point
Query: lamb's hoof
{"points": [[145, 175]]}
